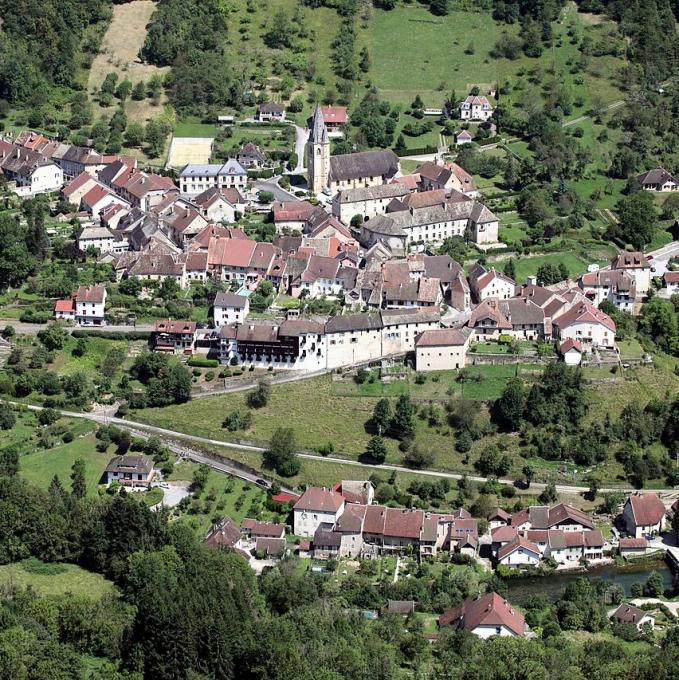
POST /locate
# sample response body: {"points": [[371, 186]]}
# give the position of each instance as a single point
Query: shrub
{"points": [[67, 437], [196, 372], [209, 376]]}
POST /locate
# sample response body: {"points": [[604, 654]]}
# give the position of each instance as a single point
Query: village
{"points": [[366, 238]]}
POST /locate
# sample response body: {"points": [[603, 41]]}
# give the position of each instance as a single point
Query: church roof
{"points": [[319, 131]]}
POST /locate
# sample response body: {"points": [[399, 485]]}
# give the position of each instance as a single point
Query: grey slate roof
{"points": [[353, 322], [363, 164], [228, 299], [372, 193]]}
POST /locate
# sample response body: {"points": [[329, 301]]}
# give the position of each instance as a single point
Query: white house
{"points": [[195, 179], [442, 349], [476, 107], [130, 471], [271, 111], [65, 309], [670, 281], [486, 616], [220, 205], [658, 179], [637, 265], [586, 324], [519, 552], [90, 303], [614, 285], [490, 283], [571, 351], [644, 514], [32, 172], [99, 238], [629, 614], [316, 506], [402, 327], [230, 308]]}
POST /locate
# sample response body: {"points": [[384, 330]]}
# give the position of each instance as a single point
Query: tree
{"points": [[364, 62], [134, 135], [48, 416], [78, 483], [139, 91], [594, 486], [439, 7], [528, 474], [402, 423], [549, 274], [259, 397], [7, 417], [510, 269], [510, 406], [281, 454], [377, 449], [53, 337], [417, 457], [200, 477], [548, 495], [659, 321], [637, 218], [381, 417], [654, 586], [130, 286]]}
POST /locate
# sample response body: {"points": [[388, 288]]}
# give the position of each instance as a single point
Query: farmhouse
{"points": [[130, 471], [561, 516], [220, 205], [32, 172], [485, 616], [315, 507], [586, 324], [519, 552], [632, 547], [270, 111], [89, 303], [99, 238], [657, 179], [224, 534], [644, 514]]}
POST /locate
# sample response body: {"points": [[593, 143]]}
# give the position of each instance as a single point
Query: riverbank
{"points": [[553, 585]]}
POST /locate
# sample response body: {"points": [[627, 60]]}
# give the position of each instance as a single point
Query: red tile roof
{"points": [[488, 610], [584, 312], [633, 543], [90, 294], [336, 115], [503, 534], [403, 523], [322, 500], [647, 509], [230, 252], [64, 305], [518, 542], [293, 211]]}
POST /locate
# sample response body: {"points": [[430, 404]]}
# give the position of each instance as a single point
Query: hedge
{"points": [[31, 316], [111, 335], [202, 362], [418, 151]]}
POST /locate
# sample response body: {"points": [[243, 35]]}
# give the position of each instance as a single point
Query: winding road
{"points": [[177, 442]]}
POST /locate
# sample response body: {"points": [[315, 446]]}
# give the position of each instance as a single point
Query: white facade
{"points": [[43, 179], [485, 632], [226, 313], [499, 288], [195, 179], [352, 347], [99, 238], [588, 333], [520, 557], [307, 521], [90, 313]]}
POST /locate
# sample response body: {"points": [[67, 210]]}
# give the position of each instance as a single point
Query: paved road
{"points": [[176, 441], [279, 194], [301, 137]]}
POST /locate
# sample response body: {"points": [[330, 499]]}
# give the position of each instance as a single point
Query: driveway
{"points": [[278, 193], [174, 495]]}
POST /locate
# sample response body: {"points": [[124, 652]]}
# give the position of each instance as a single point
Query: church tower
{"points": [[318, 153]]}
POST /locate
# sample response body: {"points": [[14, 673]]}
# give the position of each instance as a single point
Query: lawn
{"points": [[39, 466], [72, 579], [434, 62], [191, 128]]}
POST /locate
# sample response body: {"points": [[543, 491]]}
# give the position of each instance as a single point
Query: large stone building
{"points": [[332, 173]]}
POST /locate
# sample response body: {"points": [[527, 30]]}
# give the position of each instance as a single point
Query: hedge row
{"points": [[202, 362], [417, 151], [32, 316], [266, 173], [110, 335]]}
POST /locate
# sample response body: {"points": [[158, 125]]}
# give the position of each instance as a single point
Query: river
{"points": [[552, 586]]}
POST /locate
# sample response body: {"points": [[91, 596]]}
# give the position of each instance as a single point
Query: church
{"points": [[330, 174]]}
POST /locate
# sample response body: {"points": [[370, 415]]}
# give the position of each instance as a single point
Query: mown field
{"points": [[341, 412], [58, 579]]}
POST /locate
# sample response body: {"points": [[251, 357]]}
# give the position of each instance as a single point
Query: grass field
{"points": [[72, 579], [119, 53], [39, 466]]}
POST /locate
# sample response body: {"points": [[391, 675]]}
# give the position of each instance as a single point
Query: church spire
{"points": [[319, 131]]}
